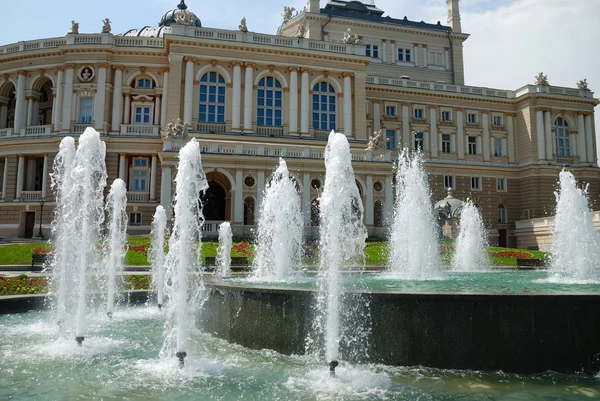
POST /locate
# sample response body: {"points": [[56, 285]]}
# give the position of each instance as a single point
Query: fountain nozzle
{"points": [[159, 306], [332, 366], [109, 314], [79, 340], [181, 355]]}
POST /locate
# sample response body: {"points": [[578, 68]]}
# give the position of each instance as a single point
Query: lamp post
{"points": [[40, 234]]}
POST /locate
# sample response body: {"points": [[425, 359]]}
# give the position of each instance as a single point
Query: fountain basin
{"points": [[513, 332]]}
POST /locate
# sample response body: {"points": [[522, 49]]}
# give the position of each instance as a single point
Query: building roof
{"points": [[164, 26], [369, 12]]}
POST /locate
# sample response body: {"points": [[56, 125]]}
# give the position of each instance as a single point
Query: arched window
{"points": [[249, 211], [501, 214], [323, 106], [212, 98], [378, 214], [563, 145], [269, 102], [144, 83]]}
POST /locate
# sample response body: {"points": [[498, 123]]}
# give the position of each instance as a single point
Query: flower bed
{"points": [[138, 282], [23, 284], [243, 248], [511, 254]]}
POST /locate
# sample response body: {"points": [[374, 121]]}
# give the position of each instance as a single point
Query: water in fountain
{"points": [[224, 250], [184, 250], [413, 241], [342, 239], [116, 208], [79, 186], [157, 252], [470, 253], [280, 225], [576, 243]]}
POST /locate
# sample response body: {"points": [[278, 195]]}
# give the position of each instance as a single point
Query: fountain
{"points": [[157, 253], [576, 243], [223, 261], [470, 253], [115, 246], [279, 233], [413, 241], [184, 251]]}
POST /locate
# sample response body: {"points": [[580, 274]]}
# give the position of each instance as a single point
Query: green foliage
{"points": [[22, 285], [19, 254]]}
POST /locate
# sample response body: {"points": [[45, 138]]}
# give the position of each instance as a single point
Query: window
{"points": [[269, 102], [501, 214], [472, 118], [419, 141], [472, 143], [497, 120], [446, 116], [501, 184], [323, 106], [436, 58], [475, 183], [85, 110], [212, 98], [378, 214], [390, 136], [563, 144], [390, 110], [372, 51], [498, 149], [139, 175], [418, 113], [446, 143], [143, 115], [135, 219], [404, 55], [249, 206], [144, 83], [448, 181]]}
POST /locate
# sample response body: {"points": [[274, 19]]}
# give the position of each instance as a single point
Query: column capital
{"points": [[393, 42], [405, 104], [510, 114], [60, 69], [383, 40], [433, 106], [305, 70], [295, 69], [459, 109], [118, 67], [22, 72], [189, 58], [484, 112], [237, 63], [69, 66], [248, 64], [102, 65], [340, 94], [348, 74], [166, 70], [376, 101]]}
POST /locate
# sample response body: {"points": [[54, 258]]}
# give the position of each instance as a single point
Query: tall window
{"points": [[419, 141], [85, 109], [475, 183], [448, 181], [139, 175], [269, 102], [212, 98], [436, 58], [323, 106], [143, 83], [501, 214], [418, 113], [390, 110], [446, 143], [497, 120], [404, 55], [472, 118], [390, 137], [472, 142], [563, 144], [372, 51], [501, 184], [446, 116], [142, 115]]}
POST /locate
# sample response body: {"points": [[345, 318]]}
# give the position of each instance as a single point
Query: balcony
{"points": [[140, 130], [138, 197], [6, 132], [37, 130], [31, 196], [270, 131], [210, 228], [212, 128], [79, 128]]}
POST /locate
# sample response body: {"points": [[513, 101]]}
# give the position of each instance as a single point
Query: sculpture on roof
{"points": [[177, 129], [583, 85], [351, 38], [287, 13], [301, 30], [376, 141], [106, 28], [242, 26], [74, 27], [541, 79], [185, 17]]}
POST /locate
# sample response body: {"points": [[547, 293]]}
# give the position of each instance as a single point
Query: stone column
{"points": [[306, 199], [304, 102], [248, 97], [164, 105], [44, 176], [166, 181], [376, 115], [485, 122], [153, 171], [433, 142], [67, 99], [20, 177], [239, 201], [117, 99], [460, 134], [100, 100], [20, 105], [581, 138], [260, 186], [293, 100], [57, 111], [510, 122], [541, 140], [393, 52], [122, 167], [4, 177], [29, 111], [157, 108], [389, 201], [188, 93], [447, 59], [384, 51], [236, 103], [3, 116], [416, 55], [405, 126], [589, 140], [424, 56], [548, 135], [127, 112], [369, 213]]}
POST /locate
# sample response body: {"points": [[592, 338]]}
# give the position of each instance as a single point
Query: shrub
{"points": [[511, 254]]}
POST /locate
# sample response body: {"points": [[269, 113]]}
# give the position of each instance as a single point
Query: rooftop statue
{"points": [[583, 85], [74, 27], [301, 31], [351, 38], [177, 129], [185, 17], [106, 28], [541, 79], [242, 26], [376, 141], [287, 13]]}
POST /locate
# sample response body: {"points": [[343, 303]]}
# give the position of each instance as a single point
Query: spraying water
{"points": [[413, 241], [184, 249], [471, 243], [280, 225], [342, 239], [115, 248], [157, 252], [224, 250], [576, 244], [79, 185]]}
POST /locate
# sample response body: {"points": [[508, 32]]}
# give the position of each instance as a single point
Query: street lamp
{"points": [[40, 235]]}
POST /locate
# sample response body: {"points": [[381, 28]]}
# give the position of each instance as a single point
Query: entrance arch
{"points": [[216, 201]]}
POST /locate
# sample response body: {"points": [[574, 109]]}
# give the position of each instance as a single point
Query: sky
{"points": [[511, 40]]}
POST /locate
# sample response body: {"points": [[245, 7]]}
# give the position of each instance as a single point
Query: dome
{"points": [[449, 206], [169, 18], [149, 31], [164, 26]]}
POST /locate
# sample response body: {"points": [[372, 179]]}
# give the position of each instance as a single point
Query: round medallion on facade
{"points": [[315, 184], [249, 181], [86, 73], [377, 186]]}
